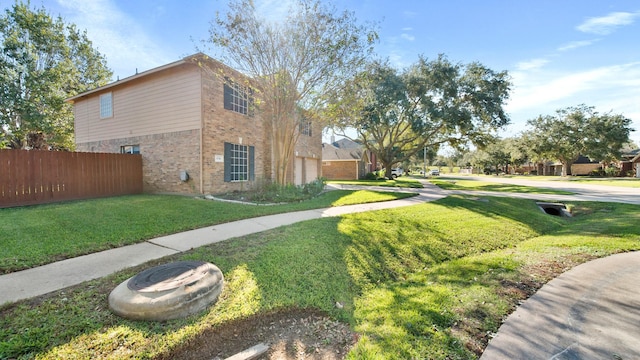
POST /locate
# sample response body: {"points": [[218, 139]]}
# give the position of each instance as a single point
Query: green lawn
{"points": [[427, 281], [623, 182], [401, 182], [38, 235], [477, 185]]}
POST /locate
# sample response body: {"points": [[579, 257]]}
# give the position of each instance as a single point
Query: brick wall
{"points": [[163, 157], [583, 169], [339, 170], [220, 126]]}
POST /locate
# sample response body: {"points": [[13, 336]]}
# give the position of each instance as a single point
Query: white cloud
{"points": [[408, 37], [614, 88], [116, 35], [410, 14], [531, 64], [576, 44], [607, 24]]}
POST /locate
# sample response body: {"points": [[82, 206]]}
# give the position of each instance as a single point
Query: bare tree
{"points": [[293, 63]]}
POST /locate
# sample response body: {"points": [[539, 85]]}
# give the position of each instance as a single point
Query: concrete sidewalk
{"points": [[590, 312], [51, 277]]}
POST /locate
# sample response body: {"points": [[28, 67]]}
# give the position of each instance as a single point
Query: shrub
{"points": [[611, 171], [371, 176]]}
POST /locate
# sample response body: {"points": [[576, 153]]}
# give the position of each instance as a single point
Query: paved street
{"points": [[584, 191]]}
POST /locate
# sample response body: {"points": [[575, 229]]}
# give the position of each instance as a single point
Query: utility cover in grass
{"points": [[168, 291]]}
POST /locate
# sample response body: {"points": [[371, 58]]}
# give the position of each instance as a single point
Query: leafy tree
{"points": [[575, 131], [433, 102], [43, 62], [498, 155], [479, 159], [294, 62]]}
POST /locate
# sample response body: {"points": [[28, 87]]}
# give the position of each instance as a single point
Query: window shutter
{"points": [[227, 162], [252, 172], [228, 95]]}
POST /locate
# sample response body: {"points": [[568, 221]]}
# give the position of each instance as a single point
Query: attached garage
{"points": [[305, 171]]}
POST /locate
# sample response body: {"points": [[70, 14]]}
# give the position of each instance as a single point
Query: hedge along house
{"points": [[194, 125]]}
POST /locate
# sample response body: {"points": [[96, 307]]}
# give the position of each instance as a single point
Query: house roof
{"points": [[190, 58], [331, 152], [631, 154], [346, 144], [584, 160]]}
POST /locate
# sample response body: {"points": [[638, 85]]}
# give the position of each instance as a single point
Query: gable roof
{"points": [[331, 152]]}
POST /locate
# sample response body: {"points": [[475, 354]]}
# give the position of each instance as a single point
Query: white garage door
{"points": [[312, 169]]}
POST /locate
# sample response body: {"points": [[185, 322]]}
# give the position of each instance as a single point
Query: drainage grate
{"points": [[168, 276]]}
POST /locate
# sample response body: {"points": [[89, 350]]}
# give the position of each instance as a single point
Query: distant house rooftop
{"points": [[332, 152]]}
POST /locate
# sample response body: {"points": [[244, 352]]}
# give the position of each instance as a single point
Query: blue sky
{"points": [[559, 53]]}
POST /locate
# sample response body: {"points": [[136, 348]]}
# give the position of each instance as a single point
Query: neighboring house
{"points": [[194, 125], [582, 166], [630, 162], [346, 160]]}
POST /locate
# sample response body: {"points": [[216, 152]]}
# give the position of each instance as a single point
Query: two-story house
{"points": [[194, 125]]}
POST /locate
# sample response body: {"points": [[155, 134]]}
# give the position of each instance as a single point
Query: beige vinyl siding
{"points": [[160, 103]]}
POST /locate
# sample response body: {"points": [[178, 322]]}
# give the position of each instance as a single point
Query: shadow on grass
{"points": [[418, 282]]}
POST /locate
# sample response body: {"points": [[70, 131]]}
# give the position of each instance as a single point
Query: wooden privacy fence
{"points": [[29, 177]]}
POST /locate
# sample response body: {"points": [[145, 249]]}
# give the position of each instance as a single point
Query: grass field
{"points": [[427, 281], [622, 182], [37, 235], [477, 185], [401, 182]]}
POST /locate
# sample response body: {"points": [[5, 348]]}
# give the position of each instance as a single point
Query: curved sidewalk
{"points": [[589, 312]]}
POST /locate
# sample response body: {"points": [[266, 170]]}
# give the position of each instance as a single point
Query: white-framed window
{"points": [[106, 106], [238, 162], [130, 149], [237, 97], [306, 127]]}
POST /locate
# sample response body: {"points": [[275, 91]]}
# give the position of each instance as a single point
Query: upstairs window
{"points": [[306, 128], [106, 106], [237, 97], [130, 149]]}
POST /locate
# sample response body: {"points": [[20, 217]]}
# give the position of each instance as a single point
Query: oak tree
{"points": [[397, 114], [43, 61], [578, 130]]}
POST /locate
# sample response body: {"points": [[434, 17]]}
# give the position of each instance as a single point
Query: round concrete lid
{"points": [[168, 291], [168, 276]]}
